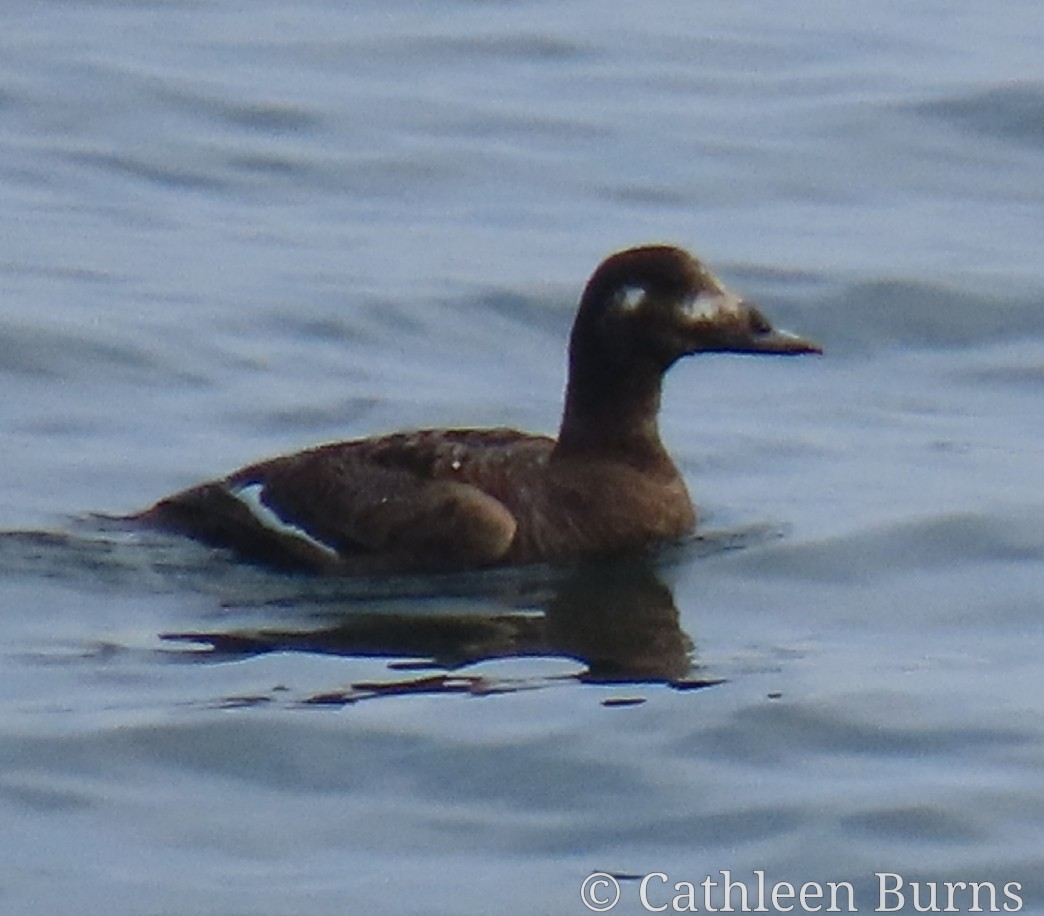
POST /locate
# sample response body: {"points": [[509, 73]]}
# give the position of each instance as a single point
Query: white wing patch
{"points": [[250, 496]]}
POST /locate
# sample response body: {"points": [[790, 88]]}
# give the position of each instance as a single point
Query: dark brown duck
{"points": [[457, 499]]}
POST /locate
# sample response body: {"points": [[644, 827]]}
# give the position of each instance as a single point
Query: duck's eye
{"points": [[630, 297], [758, 323]]}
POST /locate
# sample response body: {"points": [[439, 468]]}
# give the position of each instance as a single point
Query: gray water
{"points": [[233, 231]]}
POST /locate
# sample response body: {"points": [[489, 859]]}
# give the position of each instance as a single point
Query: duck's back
{"points": [[430, 500]]}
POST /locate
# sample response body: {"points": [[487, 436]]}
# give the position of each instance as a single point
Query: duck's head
{"points": [[654, 304]]}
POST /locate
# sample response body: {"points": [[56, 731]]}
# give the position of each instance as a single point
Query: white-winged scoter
{"points": [[456, 499]]}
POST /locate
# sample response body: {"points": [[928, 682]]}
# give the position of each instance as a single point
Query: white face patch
{"points": [[630, 297], [710, 305], [250, 496]]}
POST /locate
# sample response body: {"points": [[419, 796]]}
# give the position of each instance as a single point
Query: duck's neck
{"points": [[611, 412]]}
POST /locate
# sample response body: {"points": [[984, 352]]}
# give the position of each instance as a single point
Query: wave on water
{"points": [[616, 618], [890, 313], [104, 551], [955, 540], [1013, 111], [67, 354]]}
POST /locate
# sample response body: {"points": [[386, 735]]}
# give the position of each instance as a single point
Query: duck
{"points": [[453, 500]]}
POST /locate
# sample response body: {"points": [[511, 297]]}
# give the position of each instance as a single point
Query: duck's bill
{"points": [[722, 321], [749, 331], [777, 341]]}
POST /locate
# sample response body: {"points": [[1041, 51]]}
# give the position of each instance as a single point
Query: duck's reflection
{"points": [[618, 620]]}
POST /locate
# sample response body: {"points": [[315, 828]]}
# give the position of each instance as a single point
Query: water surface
{"points": [[231, 234]]}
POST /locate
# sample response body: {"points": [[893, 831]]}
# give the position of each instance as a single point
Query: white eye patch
{"points": [[630, 297]]}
